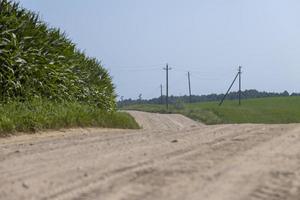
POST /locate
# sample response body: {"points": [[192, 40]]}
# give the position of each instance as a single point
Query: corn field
{"points": [[41, 62]]}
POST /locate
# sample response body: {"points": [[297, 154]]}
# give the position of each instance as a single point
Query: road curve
{"points": [[172, 157]]}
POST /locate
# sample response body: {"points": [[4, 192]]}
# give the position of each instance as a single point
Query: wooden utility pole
{"points": [[240, 84], [161, 94], [190, 90], [167, 85]]}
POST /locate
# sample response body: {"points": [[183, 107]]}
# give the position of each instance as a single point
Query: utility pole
{"points": [[240, 84], [167, 85], [161, 94], [140, 98], [190, 91]]}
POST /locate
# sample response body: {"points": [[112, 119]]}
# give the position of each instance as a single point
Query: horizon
{"points": [[208, 38], [193, 95]]}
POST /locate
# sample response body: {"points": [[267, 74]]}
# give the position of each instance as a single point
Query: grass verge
{"points": [[39, 115], [278, 110]]}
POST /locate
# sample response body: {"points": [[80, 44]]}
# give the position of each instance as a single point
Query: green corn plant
{"points": [[41, 62]]}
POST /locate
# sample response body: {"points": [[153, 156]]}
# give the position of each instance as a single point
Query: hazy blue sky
{"points": [[134, 39]]}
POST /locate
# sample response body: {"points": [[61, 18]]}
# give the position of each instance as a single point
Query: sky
{"points": [[134, 39]]}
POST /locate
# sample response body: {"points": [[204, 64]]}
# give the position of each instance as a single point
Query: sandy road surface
{"points": [[171, 158]]}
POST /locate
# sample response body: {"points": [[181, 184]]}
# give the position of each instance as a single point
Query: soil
{"points": [[172, 157]]}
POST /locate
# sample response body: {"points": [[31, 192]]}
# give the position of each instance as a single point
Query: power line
{"points": [[200, 74], [135, 69], [204, 78], [203, 73]]}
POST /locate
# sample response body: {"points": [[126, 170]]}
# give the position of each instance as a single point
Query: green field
{"points": [[279, 110]]}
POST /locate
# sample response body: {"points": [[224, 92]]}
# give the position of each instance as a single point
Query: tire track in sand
{"points": [[172, 158]]}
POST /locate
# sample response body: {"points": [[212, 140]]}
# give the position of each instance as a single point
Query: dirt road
{"points": [[171, 158]]}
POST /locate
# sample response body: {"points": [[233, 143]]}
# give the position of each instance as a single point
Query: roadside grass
{"points": [[44, 114], [275, 110]]}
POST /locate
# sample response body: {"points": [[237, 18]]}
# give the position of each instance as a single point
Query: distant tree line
{"points": [[247, 94]]}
